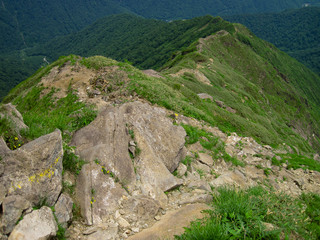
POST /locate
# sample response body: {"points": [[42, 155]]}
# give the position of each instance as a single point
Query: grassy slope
{"points": [[271, 92], [294, 31]]}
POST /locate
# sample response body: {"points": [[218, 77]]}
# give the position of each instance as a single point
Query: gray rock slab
{"points": [[97, 193], [34, 171], [12, 206], [38, 225], [63, 210]]}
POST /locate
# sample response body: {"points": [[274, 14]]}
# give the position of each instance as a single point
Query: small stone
{"points": [[157, 218], [132, 149], [181, 170], [123, 223], [121, 212], [117, 214], [135, 230], [132, 143]]}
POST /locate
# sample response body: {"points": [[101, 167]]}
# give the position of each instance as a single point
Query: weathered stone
{"points": [[190, 198], [38, 225], [220, 104], [143, 207], [4, 150], [196, 147], [235, 178], [254, 173], [200, 184], [200, 168], [205, 96], [123, 223], [12, 207], [206, 159], [97, 193], [172, 223], [231, 110], [14, 115], [34, 171], [181, 170], [150, 125], [3, 193], [63, 209], [106, 139]]}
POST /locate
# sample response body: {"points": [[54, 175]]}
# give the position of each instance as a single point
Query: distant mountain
{"points": [[296, 32], [26, 23], [168, 9]]}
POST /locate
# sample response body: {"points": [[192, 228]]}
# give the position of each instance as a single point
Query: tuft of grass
{"points": [[72, 162], [296, 161], [243, 214]]}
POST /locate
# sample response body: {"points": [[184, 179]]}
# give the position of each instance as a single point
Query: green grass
{"points": [[45, 114], [209, 142], [242, 214], [296, 161]]}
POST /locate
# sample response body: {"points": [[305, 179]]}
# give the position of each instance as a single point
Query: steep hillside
{"points": [[146, 43], [296, 32], [110, 168], [168, 10]]}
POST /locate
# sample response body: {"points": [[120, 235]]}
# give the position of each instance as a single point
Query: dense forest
{"points": [[168, 10], [296, 32], [26, 23]]}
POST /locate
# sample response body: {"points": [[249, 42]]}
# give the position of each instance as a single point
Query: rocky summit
{"points": [[97, 149]]}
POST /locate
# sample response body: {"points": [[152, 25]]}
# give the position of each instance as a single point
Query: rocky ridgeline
{"points": [[134, 184]]}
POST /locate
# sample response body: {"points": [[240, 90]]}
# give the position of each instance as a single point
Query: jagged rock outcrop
{"points": [[106, 140], [34, 171], [38, 225], [31, 174], [161, 144]]}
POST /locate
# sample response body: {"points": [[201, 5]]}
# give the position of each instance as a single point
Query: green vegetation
{"points": [[296, 32], [257, 213], [209, 142], [296, 161], [71, 162]]}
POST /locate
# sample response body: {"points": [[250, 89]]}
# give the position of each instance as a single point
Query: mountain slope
{"points": [[296, 32], [256, 89], [168, 10], [26, 23]]}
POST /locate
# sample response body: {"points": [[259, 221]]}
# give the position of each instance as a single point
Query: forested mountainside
{"points": [[297, 32], [26, 23], [168, 10]]}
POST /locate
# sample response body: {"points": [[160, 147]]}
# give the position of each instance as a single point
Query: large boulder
{"points": [[34, 171], [107, 140], [38, 225], [97, 193]]}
